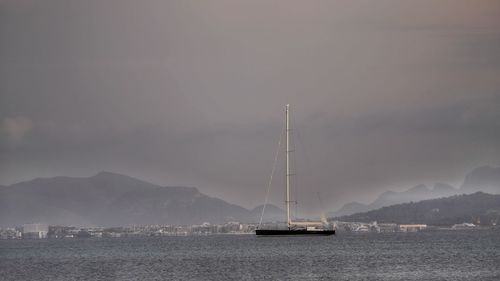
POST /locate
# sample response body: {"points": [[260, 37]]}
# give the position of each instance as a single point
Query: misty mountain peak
{"points": [[106, 179], [418, 188], [111, 199], [414, 194], [105, 175], [441, 187]]}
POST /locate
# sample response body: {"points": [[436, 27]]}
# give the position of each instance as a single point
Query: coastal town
{"points": [[45, 231]]}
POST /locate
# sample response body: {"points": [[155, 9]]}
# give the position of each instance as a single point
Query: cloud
{"points": [[385, 94]]}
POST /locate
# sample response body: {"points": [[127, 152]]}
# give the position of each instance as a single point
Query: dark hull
{"points": [[283, 232]]}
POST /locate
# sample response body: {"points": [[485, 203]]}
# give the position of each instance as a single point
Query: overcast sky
{"points": [[385, 94]]}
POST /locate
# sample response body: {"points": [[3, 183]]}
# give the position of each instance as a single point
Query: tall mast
{"points": [[287, 114]]}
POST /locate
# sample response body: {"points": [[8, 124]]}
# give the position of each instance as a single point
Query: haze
{"points": [[385, 94]]}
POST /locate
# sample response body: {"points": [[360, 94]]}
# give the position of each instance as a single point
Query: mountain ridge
{"points": [[111, 199], [479, 208], [484, 178]]}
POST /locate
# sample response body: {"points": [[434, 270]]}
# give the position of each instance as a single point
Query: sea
{"points": [[440, 255]]}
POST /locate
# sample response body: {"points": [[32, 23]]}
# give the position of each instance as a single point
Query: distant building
{"points": [[387, 227], [35, 230], [362, 228], [464, 225], [412, 227], [10, 233]]}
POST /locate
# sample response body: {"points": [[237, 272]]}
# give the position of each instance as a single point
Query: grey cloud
{"points": [[385, 94]]}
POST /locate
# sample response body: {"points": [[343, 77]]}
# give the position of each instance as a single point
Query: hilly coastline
{"points": [[479, 208], [483, 179], [110, 199]]}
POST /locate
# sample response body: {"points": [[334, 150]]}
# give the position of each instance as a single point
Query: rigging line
{"points": [[309, 171], [300, 180], [321, 203], [272, 175], [297, 180], [306, 154]]}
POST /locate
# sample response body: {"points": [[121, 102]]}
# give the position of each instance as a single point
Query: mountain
{"points": [[479, 208], [414, 194], [350, 208], [484, 179], [109, 199], [271, 213]]}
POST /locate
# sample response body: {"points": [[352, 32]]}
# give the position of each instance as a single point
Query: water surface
{"points": [[444, 255]]}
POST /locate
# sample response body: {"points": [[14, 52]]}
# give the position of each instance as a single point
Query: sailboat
{"points": [[294, 227]]}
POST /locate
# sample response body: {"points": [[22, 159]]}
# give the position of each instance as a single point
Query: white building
{"points": [[412, 227], [464, 225], [35, 230]]}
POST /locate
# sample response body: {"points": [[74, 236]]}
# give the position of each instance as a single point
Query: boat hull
{"points": [[283, 232]]}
